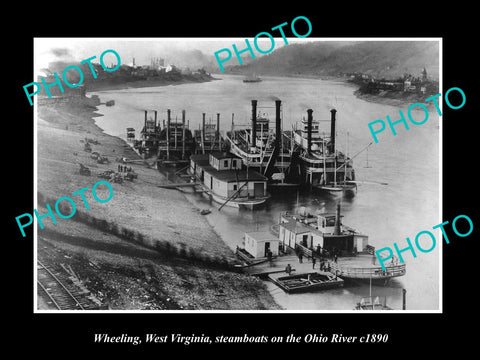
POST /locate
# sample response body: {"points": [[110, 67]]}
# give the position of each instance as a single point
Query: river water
{"points": [[409, 163]]}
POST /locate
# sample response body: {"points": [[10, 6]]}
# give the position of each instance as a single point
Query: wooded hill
{"points": [[382, 59]]}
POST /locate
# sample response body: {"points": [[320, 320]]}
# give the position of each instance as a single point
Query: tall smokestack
{"points": [[167, 134], [332, 131], [337, 230], [155, 128], [254, 123], [218, 132], [145, 122], [309, 130], [278, 124], [203, 127], [183, 134]]}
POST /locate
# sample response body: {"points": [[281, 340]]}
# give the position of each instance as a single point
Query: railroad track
{"points": [[61, 297], [63, 294], [57, 283]]}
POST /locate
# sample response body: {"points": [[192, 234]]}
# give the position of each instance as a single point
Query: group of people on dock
{"points": [[319, 253], [325, 258]]}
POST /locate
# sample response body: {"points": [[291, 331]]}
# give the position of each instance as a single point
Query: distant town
{"points": [[157, 67], [132, 75], [408, 84]]}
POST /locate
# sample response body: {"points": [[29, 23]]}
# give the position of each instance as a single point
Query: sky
{"points": [[49, 49], [143, 49]]}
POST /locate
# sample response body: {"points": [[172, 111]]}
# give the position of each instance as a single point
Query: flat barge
{"points": [[307, 282]]}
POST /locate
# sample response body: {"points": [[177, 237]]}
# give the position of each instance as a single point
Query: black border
{"points": [[76, 331]]}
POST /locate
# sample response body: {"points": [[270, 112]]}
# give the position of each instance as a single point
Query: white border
{"points": [[291, 40]]}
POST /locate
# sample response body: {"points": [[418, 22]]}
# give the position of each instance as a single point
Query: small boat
{"points": [[346, 188], [205, 211], [370, 303], [110, 103], [252, 79], [306, 282], [377, 303]]}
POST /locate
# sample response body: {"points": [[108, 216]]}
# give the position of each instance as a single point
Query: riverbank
{"points": [[398, 99], [121, 83], [147, 248]]}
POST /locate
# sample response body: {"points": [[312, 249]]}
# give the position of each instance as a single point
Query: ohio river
{"points": [[408, 163]]}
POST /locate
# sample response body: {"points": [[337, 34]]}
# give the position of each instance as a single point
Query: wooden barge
{"points": [[307, 282]]}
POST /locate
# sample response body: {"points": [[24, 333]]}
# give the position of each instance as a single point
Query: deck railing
{"points": [[366, 272]]}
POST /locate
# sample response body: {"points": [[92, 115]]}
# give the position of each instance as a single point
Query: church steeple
{"points": [[424, 74]]}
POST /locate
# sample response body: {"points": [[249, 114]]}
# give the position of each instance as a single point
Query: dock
{"points": [[364, 268], [177, 185], [265, 273]]}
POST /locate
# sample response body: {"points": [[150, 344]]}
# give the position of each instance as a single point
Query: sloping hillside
{"points": [[378, 58]]}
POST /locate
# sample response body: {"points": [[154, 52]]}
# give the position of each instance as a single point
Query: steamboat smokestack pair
{"points": [[145, 123], [332, 130], [217, 131], [278, 123]]}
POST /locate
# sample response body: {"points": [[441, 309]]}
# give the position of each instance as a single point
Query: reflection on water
{"points": [[408, 163]]}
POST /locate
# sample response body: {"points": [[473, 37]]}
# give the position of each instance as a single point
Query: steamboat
{"points": [[208, 138], [252, 79], [322, 166], [171, 144], [263, 149], [323, 235]]}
